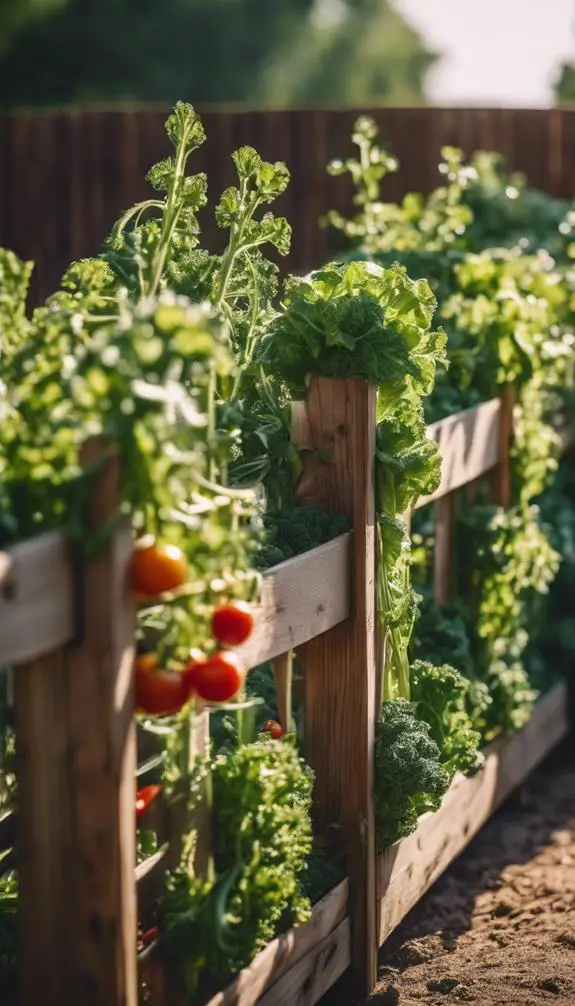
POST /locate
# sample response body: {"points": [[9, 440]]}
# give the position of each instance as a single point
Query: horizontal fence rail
{"points": [[37, 600], [65, 176]]}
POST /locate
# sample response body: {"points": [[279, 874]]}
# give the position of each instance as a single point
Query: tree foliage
{"points": [[209, 51]]}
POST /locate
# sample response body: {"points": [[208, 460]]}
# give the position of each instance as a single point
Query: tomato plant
{"points": [[232, 623], [216, 679]]}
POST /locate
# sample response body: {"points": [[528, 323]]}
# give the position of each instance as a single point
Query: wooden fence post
{"points": [[500, 482], [76, 754], [337, 426]]}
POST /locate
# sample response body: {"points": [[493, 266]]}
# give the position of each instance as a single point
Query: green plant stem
{"points": [[395, 663], [170, 219]]}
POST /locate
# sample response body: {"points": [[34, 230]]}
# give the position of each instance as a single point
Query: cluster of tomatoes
{"points": [[160, 569]]}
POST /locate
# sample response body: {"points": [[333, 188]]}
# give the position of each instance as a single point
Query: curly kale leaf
{"points": [[409, 465], [294, 531], [14, 283], [262, 827], [409, 777], [439, 694]]}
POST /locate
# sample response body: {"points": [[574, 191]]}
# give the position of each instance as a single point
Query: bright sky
{"points": [[496, 52]]}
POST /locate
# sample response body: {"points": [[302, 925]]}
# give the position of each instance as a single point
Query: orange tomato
{"points": [[156, 569]]}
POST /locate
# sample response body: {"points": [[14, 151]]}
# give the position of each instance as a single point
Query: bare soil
{"points": [[499, 926]]}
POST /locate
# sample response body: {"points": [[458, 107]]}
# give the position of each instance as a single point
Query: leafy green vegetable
{"points": [[483, 240], [294, 531], [409, 777], [262, 797], [440, 695]]}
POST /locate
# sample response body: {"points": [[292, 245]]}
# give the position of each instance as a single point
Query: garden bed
{"points": [[302, 964]]}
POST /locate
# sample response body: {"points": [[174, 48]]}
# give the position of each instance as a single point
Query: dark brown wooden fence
{"points": [[65, 176]]}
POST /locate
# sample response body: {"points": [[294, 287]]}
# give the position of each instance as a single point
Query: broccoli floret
{"points": [[269, 555], [295, 531], [439, 695], [409, 778]]}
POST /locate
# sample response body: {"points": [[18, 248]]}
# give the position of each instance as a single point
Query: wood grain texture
{"points": [[308, 981], [282, 955], [44, 831], [442, 549], [407, 869], [300, 599], [77, 760], [469, 443], [51, 163], [150, 879], [500, 477], [36, 599], [339, 667], [283, 675]]}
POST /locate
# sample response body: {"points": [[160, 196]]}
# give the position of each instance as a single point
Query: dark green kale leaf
{"points": [[409, 777]]}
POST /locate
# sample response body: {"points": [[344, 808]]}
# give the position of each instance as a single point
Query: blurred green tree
{"points": [[565, 86], [278, 51], [15, 15]]}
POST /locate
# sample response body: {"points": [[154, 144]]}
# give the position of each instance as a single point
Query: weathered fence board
{"points": [[70, 173]]}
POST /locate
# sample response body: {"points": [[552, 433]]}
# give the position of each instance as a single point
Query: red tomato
{"points": [[273, 728], [149, 936], [216, 679], [232, 623], [158, 692], [156, 569], [144, 797]]}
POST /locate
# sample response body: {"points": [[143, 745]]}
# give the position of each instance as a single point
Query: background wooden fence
{"points": [[65, 176]]}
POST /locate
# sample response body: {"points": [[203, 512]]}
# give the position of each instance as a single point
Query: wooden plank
{"points": [[43, 828], [36, 599], [407, 869], [309, 980], [102, 763], [339, 667], [76, 760], [442, 552], [36, 580], [281, 955], [469, 443], [288, 615], [500, 477], [283, 674], [150, 876]]}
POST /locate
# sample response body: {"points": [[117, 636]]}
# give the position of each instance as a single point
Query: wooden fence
{"points": [[67, 630], [65, 176]]}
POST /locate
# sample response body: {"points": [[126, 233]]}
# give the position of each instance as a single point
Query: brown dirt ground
{"points": [[499, 926]]}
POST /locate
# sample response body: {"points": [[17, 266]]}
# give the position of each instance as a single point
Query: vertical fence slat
{"points": [[102, 764], [43, 826], [339, 667], [283, 667], [76, 759], [442, 548], [500, 479]]}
